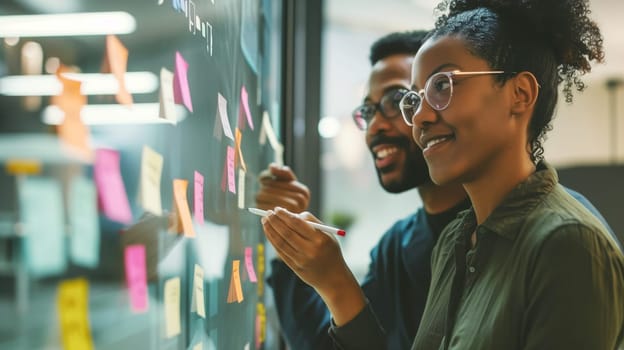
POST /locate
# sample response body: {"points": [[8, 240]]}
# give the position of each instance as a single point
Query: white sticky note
{"points": [[43, 223], [84, 224], [166, 97], [198, 292], [149, 187], [223, 117], [241, 189], [172, 307]]}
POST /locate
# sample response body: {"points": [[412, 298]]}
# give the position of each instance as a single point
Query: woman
{"points": [[527, 267]]}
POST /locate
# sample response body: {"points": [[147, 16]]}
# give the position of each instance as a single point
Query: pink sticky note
{"points": [[230, 169], [181, 92], [112, 197], [136, 277], [245, 103], [249, 265], [199, 197]]}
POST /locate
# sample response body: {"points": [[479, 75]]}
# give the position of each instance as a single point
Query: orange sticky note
{"points": [[172, 307], [116, 62], [181, 91], [72, 303], [136, 277], [72, 130], [181, 206], [235, 293], [231, 173], [239, 152]]}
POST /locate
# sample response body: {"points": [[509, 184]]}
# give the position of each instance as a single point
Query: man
{"points": [[398, 279]]}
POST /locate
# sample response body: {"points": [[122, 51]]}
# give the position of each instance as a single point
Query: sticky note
{"points": [[198, 346], [235, 293], [42, 217], [116, 62], [222, 122], [22, 167], [72, 131], [249, 264], [73, 311], [181, 206], [267, 132], [198, 197], [260, 268], [231, 169], [241, 189], [198, 296], [149, 185], [239, 152], [112, 196], [260, 324], [172, 307], [166, 98], [136, 277], [181, 91], [245, 104], [246, 347], [83, 219]]}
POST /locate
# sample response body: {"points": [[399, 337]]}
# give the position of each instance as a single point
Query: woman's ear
{"points": [[526, 90]]}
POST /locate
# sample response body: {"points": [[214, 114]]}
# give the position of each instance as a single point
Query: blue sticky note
{"points": [[83, 218], [42, 217]]}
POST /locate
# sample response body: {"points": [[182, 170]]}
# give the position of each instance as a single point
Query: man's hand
{"points": [[279, 188]]}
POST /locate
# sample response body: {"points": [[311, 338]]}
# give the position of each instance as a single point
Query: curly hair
{"points": [[396, 43], [553, 39]]}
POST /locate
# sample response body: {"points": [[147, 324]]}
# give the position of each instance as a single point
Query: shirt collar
{"points": [[513, 210]]}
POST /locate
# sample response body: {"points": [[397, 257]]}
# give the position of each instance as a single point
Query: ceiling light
{"points": [[68, 24], [138, 113], [92, 84]]}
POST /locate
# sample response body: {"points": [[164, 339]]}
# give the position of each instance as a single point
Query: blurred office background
{"points": [[586, 145]]}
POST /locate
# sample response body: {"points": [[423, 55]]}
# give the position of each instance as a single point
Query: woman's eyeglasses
{"points": [[388, 106], [438, 92]]}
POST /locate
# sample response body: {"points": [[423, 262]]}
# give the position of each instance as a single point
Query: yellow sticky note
{"points": [[260, 324], [181, 207], [72, 302], [198, 292], [172, 307], [23, 167], [235, 293], [260, 269], [149, 188]]}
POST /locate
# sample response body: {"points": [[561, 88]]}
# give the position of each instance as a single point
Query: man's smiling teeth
{"points": [[436, 141], [383, 153]]}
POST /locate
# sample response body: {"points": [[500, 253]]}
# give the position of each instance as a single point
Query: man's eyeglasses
{"points": [[388, 106], [438, 92]]}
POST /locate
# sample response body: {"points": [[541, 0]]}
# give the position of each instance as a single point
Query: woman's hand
{"points": [[315, 257]]}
